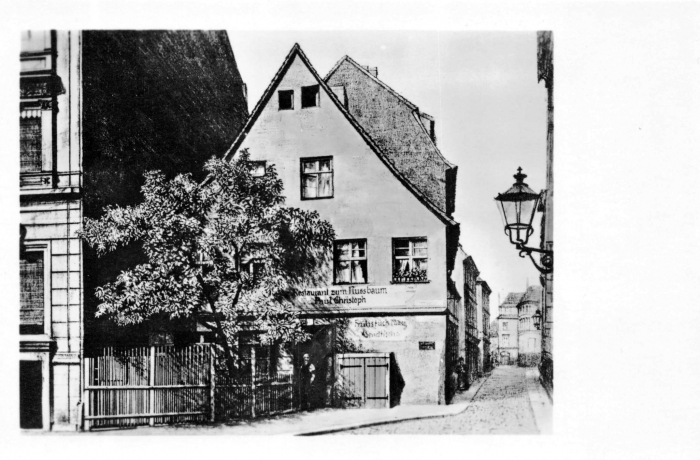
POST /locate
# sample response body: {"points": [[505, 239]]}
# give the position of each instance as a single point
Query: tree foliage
{"points": [[226, 252]]}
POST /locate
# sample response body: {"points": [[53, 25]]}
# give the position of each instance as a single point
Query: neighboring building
{"points": [[365, 158], [545, 72], [51, 269], [529, 337], [457, 283], [483, 294], [165, 100], [97, 109], [473, 331], [508, 329]]}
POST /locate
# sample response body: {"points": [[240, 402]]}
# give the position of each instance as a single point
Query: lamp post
{"points": [[519, 205]]}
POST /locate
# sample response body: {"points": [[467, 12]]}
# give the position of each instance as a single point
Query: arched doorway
{"points": [[505, 358]]}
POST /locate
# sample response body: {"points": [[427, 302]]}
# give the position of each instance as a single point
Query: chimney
{"points": [[339, 92], [372, 70]]}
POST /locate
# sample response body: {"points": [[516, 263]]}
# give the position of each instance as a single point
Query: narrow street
{"points": [[501, 406]]}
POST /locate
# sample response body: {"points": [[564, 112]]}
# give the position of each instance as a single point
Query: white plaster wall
{"points": [[369, 201]]}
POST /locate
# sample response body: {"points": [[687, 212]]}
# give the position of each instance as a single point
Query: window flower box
{"points": [[410, 276]]}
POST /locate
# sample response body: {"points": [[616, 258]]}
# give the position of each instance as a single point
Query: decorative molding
{"points": [[46, 86], [37, 344]]}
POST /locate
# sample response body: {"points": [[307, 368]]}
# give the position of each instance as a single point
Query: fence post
{"points": [[252, 381], [87, 372], [151, 384], [212, 383]]}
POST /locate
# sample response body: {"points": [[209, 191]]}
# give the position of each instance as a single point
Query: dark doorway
{"points": [[30, 412]]}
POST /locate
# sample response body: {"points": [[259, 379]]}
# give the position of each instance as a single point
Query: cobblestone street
{"points": [[502, 406]]}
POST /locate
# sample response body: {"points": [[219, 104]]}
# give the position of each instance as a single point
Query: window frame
{"points": [[411, 240], [316, 173], [317, 99], [258, 162], [39, 122], [42, 247], [279, 99], [336, 260]]}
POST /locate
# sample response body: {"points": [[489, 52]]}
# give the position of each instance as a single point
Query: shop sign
{"points": [[381, 328]]}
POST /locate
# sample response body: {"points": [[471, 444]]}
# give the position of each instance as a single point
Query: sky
{"points": [[489, 110]]}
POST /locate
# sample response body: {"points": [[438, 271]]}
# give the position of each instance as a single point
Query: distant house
{"points": [[508, 329], [353, 149], [97, 109], [520, 342], [529, 337]]}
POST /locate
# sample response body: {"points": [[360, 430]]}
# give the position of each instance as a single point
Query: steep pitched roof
{"points": [[513, 298], [296, 51], [533, 294], [395, 125]]}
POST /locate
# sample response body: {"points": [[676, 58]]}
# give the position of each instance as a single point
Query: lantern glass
{"points": [[537, 319]]}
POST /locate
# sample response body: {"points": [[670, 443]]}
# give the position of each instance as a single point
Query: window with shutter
{"points": [[31, 276], [30, 144]]}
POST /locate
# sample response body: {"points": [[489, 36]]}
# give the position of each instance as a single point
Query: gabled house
{"points": [[365, 158]]}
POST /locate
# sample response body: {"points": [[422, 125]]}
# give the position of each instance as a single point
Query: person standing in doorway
{"points": [[307, 375]]}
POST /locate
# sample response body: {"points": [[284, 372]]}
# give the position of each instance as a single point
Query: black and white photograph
{"points": [[313, 262], [312, 225]]}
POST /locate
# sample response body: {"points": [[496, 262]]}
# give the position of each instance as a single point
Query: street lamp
{"points": [[519, 204], [537, 319]]}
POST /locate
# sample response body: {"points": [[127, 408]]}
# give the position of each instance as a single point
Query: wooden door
{"points": [[363, 380]]}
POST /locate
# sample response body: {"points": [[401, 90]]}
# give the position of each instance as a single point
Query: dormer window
{"points": [[286, 99], [309, 96]]}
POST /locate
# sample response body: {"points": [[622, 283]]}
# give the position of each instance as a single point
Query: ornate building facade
{"points": [[97, 109]]}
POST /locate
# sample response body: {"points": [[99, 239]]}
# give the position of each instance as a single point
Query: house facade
{"points": [[338, 146], [545, 73], [483, 295], [91, 102], [473, 330]]}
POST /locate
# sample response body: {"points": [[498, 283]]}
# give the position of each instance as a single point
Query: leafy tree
{"points": [[226, 252]]}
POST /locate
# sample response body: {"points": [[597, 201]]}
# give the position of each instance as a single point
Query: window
{"points": [[257, 168], [410, 260], [286, 99], [30, 144], [506, 340], [505, 326], [254, 268], [317, 178], [350, 262], [309, 96], [31, 292]]}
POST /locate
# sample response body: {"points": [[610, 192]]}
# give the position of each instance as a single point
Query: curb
{"points": [[356, 425]]}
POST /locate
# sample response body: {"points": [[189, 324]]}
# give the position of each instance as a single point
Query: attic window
{"points": [[286, 99], [309, 96]]}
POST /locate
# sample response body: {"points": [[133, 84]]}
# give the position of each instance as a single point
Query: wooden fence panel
{"points": [[164, 385]]}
